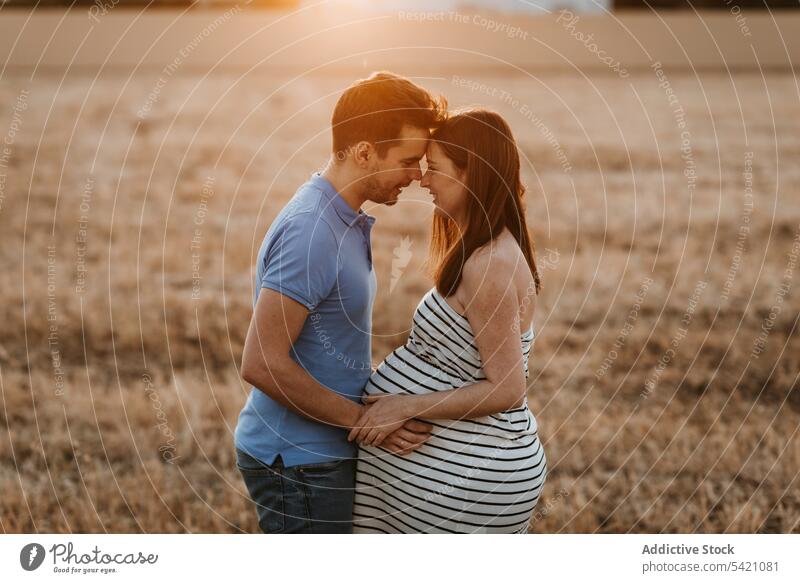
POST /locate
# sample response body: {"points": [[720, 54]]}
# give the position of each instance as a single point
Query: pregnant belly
{"points": [[404, 373]]}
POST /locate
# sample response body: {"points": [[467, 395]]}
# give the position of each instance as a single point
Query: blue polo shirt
{"points": [[317, 252]]}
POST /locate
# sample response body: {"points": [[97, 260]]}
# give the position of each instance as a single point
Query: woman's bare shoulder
{"points": [[491, 267], [498, 269]]}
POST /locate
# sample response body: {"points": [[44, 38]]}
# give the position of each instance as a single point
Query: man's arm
{"points": [[274, 327], [276, 323]]}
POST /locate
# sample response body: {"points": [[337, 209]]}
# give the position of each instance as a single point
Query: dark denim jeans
{"points": [[310, 498]]}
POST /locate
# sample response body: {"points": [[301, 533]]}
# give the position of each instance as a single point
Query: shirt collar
{"points": [[344, 210]]}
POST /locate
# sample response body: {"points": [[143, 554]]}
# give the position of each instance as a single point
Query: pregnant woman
{"points": [[465, 365]]}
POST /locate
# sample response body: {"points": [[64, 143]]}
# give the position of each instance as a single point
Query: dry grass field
{"points": [[664, 378]]}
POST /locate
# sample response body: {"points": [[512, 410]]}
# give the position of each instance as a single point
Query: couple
{"points": [[438, 438]]}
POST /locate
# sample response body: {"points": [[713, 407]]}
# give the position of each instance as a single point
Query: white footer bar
{"points": [[417, 558]]}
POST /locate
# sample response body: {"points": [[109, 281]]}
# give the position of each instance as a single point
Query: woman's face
{"points": [[445, 181]]}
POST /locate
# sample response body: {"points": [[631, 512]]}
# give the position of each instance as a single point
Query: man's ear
{"points": [[363, 152]]}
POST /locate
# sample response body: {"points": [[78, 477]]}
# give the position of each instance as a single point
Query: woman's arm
{"points": [[493, 312]]}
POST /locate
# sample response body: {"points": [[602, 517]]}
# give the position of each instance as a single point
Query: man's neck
{"points": [[345, 184]]}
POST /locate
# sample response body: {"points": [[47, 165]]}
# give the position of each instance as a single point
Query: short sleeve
{"points": [[301, 262]]}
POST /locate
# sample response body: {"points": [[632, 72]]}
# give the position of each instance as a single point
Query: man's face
{"points": [[398, 167]]}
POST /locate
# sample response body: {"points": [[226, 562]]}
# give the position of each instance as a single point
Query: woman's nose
{"points": [[425, 180]]}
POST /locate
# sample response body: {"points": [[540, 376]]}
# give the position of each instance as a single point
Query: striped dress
{"points": [[481, 475]]}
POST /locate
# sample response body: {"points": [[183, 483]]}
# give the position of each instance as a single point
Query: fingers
{"points": [[410, 436], [404, 442], [363, 433], [354, 431], [360, 422], [407, 445], [398, 445], [418, 426], [373, 437], [393, 447], [368, 431], [359, 430]]}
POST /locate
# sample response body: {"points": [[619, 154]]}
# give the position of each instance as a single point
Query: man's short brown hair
{"points": [[375, 110]]}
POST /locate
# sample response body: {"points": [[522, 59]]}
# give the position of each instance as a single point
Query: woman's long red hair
{"points": [[480, 142]]}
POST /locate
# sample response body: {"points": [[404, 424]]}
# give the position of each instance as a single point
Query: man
{"points": [[308, 348]]}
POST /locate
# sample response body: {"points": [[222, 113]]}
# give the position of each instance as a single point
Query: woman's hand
{"points": [[383, 416]]}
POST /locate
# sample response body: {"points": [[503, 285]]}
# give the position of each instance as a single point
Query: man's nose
{"points": [[417, 174]]}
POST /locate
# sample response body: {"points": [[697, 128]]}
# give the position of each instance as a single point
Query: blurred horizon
{"points": [[531, 7], [507, 6]]}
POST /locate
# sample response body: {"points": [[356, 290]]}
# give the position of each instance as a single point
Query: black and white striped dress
{"points": [[481, 475]]}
